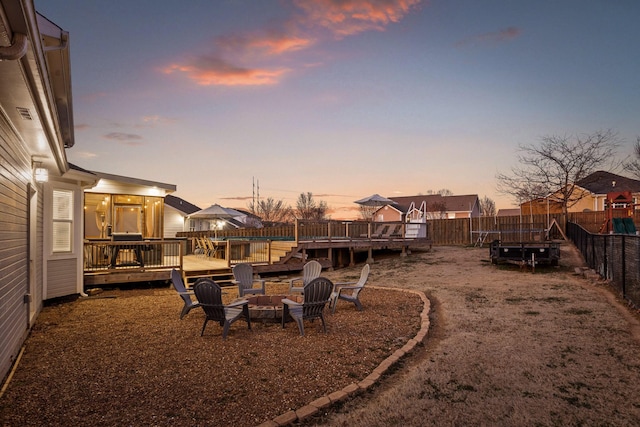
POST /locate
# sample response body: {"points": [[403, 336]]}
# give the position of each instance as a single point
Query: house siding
{"points": [[15, 170], [61, 277], [36, 277], [173, 221]]}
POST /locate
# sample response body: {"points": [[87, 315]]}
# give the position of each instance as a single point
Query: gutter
{"points": [[16, 50]]}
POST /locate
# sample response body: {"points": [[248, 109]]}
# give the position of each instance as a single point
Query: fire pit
{"points": [[268, 308]]}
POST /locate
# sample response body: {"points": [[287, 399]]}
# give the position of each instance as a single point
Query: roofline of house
{"points": [[135, 181]]}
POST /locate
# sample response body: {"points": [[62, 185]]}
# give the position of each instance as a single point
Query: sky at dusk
{"points": [[341, 98]]}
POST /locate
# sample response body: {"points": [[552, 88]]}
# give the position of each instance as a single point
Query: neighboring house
{"points": [[508, 212], [437, 207], [176, 212], [40, 194], [217, 217], [249, 220], [593, 191]]}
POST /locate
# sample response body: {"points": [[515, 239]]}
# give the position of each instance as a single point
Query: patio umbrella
{"points": [[215, 211], [375, 200]]}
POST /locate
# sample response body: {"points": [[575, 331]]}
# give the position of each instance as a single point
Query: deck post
{"points": [[351, 257], [181, 254], [370, 257]]}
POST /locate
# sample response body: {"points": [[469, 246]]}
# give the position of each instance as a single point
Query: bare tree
{"points": [[366, 212], [443, 192], [633, 166], [487, 206], [308, 208], [272, 211], [552, 168], [437, 210]]}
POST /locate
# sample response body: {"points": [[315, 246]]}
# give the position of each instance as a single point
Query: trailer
{"points": [[525, 253]]}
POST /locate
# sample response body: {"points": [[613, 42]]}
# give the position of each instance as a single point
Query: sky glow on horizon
{"points": [[342, 99]]}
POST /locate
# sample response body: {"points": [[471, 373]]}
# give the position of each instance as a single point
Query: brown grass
{"points": [[506, 347]]}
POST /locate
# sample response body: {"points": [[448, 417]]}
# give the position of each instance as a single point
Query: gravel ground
{"points": [[125, 358]]}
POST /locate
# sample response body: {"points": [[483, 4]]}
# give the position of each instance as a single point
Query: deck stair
{"points": [[280, 250]]}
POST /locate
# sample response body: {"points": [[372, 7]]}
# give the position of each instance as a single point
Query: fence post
{"points": [[606, 261], [593, 250], [624, 268]]}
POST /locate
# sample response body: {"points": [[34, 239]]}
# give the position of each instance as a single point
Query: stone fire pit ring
{"points": [[268, 308]]}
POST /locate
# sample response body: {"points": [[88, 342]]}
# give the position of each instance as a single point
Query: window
{"points": [[62, 220]]}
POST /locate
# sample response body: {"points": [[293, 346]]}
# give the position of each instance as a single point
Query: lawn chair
{"points": [[243, 275], [352, 289], [211, 248], [392, 231], [178, 284], [310, 271], [209, 294], [199, 247], [379, 231], [317, 294]]}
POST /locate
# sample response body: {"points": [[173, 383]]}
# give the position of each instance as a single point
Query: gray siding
{"points": [[173, 221], [38, 296], [61, 277], [15, 171]]}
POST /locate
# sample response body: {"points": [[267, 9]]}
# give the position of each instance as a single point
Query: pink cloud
{"points": [[505, 34], [340, 17], [207, 71], [264, 44], [348, 17], [124, 138]]}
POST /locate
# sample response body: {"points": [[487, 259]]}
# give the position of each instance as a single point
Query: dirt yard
{"points": [[506, 347]]}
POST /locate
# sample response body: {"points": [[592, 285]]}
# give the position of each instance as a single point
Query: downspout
{"points": [[17, 49]]}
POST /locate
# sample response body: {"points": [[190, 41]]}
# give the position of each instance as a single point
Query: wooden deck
{"points": [[284, 258]]}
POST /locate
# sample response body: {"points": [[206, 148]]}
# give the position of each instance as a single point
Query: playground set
{"points": [[619, 208]]}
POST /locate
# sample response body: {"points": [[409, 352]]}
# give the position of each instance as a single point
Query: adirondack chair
{"points": [[209, 294], [243, 277], [352, 289], [310, 271], [317, 294], [178, 284]]}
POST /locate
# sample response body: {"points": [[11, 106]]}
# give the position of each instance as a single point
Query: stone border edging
{"points": [[312, 408]]}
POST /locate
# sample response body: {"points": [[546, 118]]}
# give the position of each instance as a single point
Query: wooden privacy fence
{"points": [[460, 231], [471, 231]]}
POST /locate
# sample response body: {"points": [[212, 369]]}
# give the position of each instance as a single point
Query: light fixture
{"points": [[39, 173]]}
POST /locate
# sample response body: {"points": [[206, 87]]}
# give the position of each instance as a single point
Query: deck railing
{"points": [[100, 255], [253, 251]]}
